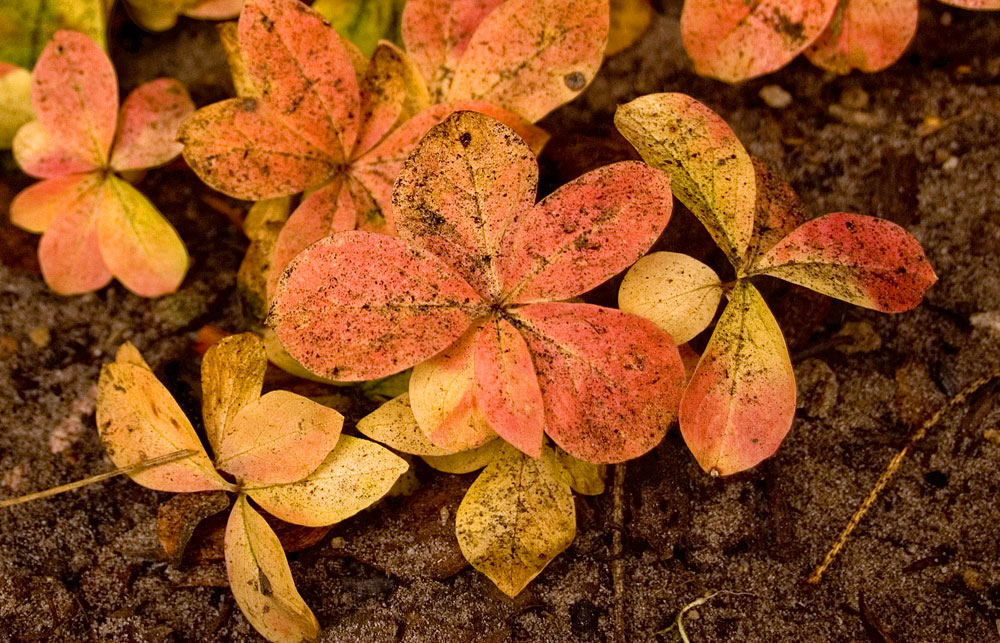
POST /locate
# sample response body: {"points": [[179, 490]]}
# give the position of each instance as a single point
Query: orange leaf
{"points": [[69, 252], [43, 156], [868, 35], [150, 118], [35, 207]]}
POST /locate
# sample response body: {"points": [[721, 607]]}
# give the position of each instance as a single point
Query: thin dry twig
{"points": [[617, 560]]}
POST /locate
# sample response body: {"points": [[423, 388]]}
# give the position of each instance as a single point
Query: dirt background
{"points": [[86, 566]]}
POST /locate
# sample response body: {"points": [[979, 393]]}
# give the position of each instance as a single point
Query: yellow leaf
{"points": [[277, 439], [629, 20], [26, 26], [465, 461], [516, 517], [242, 82], [232, 375], [129, 354], [15, 102], [353, 476], [393, 424], [262, 581], [138, 420], [262, 225], [674, 291], [583, 477]]}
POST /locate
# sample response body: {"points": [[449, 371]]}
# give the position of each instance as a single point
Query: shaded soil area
{"points": [[924, 566]]}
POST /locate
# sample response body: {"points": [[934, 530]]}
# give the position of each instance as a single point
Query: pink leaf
{"points": [[34, 207], [740, 401], [359, 306], [734, 40], [868, 35], [44, 157], [150, 118], [584, 233], [506, 387], [442, 396], [611, 381], [304, 70], [461, 188], [863, 260], [239, 147], [75, 95], [436, 33], [778, 211], [978, 5], [215, 9], [530, 57], [69, 252]]}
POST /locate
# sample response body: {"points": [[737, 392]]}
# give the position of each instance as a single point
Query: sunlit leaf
{"points": [[15, 102], [393, 424], [442, 396], [676, 292], [584, 233], [277, 439], [392, 90], [610, 380], [69, 252], [40, 154], [868, 35], [353, 476], [160, 15], [863, 260], [740, 401], [232, 376], [734, 40], [583, 477], [138, 419], [147, 127], [465, 461], [261, 580], [980, 5], [36, 206], [27, 25], [778, 212], [711, 172], [138, 245], [530, 57], [516, 517], [363, 22], [359, 306], [629, 20], [127, 353]]}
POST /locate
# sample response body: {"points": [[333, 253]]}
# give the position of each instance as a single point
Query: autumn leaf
{"points": [[778, 212], [629, 20], [261, 580], [363, 22], [27, 25], [232, 376], [465, 461], [676, 292], [710, 171], [394, 425], [449, 299], [733, 40], [740, 402], [94, 225], [15, 102], [863, 260], [979, 5], [582, 477], [516, 517], [160, 15], [177, 518], [868, 35]]}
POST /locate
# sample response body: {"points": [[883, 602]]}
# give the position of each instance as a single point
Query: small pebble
{"points": [[8, 346], [775, 96], [40, 336], [693, 615], [992, 435], [950, 164], [854, 98], [946, 19]]}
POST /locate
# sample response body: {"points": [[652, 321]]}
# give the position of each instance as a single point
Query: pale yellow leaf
{"points": [[393, 424], [516, 517], [232, 376], [465, 461], [583, 477], [355, 474], [261, 580], [674, 291], [629, 20], [15, 102], [129, 354]]}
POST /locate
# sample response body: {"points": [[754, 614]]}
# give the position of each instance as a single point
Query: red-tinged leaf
{"points": [[214, 9], [506, 387], [863, 260], [734, 40], [461, 189], [443, 396], [584, 233], [868, 35], [139, 246], [278, 439], [379, 168], [69, 252], [437, 32], [611, 381], [239, 147], [710, 171], [740, 402], [391, 89], [35, 207], [978, 5], [303, 70], [359, 306], [327, 210], [178, 517], [530, 57], [778, 212], [44, 157], [75, 95], [147, 129]]}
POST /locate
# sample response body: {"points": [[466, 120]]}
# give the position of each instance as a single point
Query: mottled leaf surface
{"points": [[866, 261], [740, 402], [148, 124], [868, 35], [69, 252], [711, 172], [778, 212], [516, 517], [394, 425], [41, 155], [160, 15], [232, 376]]}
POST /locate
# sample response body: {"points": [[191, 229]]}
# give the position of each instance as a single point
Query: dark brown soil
{"points": [[924, 566]]}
